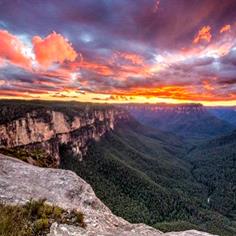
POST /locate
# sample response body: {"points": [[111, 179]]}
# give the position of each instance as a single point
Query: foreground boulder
{"points": [[20, 182]]}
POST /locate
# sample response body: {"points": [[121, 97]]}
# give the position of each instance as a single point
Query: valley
{"points": [[153, 185], [193, 122], [172, 179]]}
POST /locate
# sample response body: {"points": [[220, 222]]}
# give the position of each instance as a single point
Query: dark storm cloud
{"points": [[175, 23]]}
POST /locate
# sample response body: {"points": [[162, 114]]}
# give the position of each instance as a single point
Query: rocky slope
{"points": [[44, 130], [20, 182]]}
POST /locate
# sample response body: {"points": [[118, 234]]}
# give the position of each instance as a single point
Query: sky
{"points": [[170, 51]]}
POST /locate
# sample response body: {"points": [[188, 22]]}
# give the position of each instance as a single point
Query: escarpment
{"points": [[37, 135]]}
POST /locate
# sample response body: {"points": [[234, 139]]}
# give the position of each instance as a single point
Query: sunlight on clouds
{"points": [[56, 71], [53, 49], [203, 34], [13, 50], [225, 28]]}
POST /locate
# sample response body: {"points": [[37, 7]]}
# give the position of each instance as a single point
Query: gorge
{"points": [[143, 174]]}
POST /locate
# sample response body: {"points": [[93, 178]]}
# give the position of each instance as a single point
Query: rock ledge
{"points": [[19, 182]]}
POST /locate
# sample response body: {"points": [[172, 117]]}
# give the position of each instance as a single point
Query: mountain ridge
{"points": [[194, 122]]}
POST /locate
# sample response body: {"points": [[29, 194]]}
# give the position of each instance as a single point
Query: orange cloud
{"points": [[12, 50], [130, 57], [174, 92], [207, 85], [203, 34], [98, 68], [126, 58], [53, 49], [92, 66], [225, 29]]}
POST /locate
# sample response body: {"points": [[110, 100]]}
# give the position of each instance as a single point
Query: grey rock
{"points": [[187, 233], [20, 182]]}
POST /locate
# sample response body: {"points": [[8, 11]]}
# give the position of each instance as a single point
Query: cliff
{"points": [[38, 134], [193, 122], [20, 182], [162, 107]]}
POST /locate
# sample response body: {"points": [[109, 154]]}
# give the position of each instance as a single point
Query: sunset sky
{"points": [[119, 50]]}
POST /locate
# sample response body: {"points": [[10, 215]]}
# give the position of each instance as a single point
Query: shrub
{"points": [[35, 218], [41, 225]]}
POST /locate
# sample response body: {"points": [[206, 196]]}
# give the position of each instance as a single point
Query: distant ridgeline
{"points": [[193, 122], [146, 167]]}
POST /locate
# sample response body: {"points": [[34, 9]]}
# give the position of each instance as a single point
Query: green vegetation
{"points": [[34, 218], [193, 122], [142, 174], [139, 176], [14, 109], [214, 165], [176, 226], [31, 154]]}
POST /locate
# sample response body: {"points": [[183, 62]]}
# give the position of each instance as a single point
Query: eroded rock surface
{"points": [[48, 129], [20, 182]]}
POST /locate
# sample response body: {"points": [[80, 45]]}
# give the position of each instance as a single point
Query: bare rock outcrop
{"points": [[20, 182]]}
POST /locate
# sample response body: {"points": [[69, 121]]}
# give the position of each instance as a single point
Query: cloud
{"points": [[202, 75], [229, 58], [53, 49], [128, 57], [156, 6], [203, 34], [122, 75], [12, 50], [135, 49], [115, 98], [225, 29]]}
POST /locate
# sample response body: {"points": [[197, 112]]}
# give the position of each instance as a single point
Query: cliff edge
{"points": [[20, 182]]}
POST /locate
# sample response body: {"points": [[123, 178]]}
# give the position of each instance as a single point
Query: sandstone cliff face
{"points": [[50, 129], [20, 182]]}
